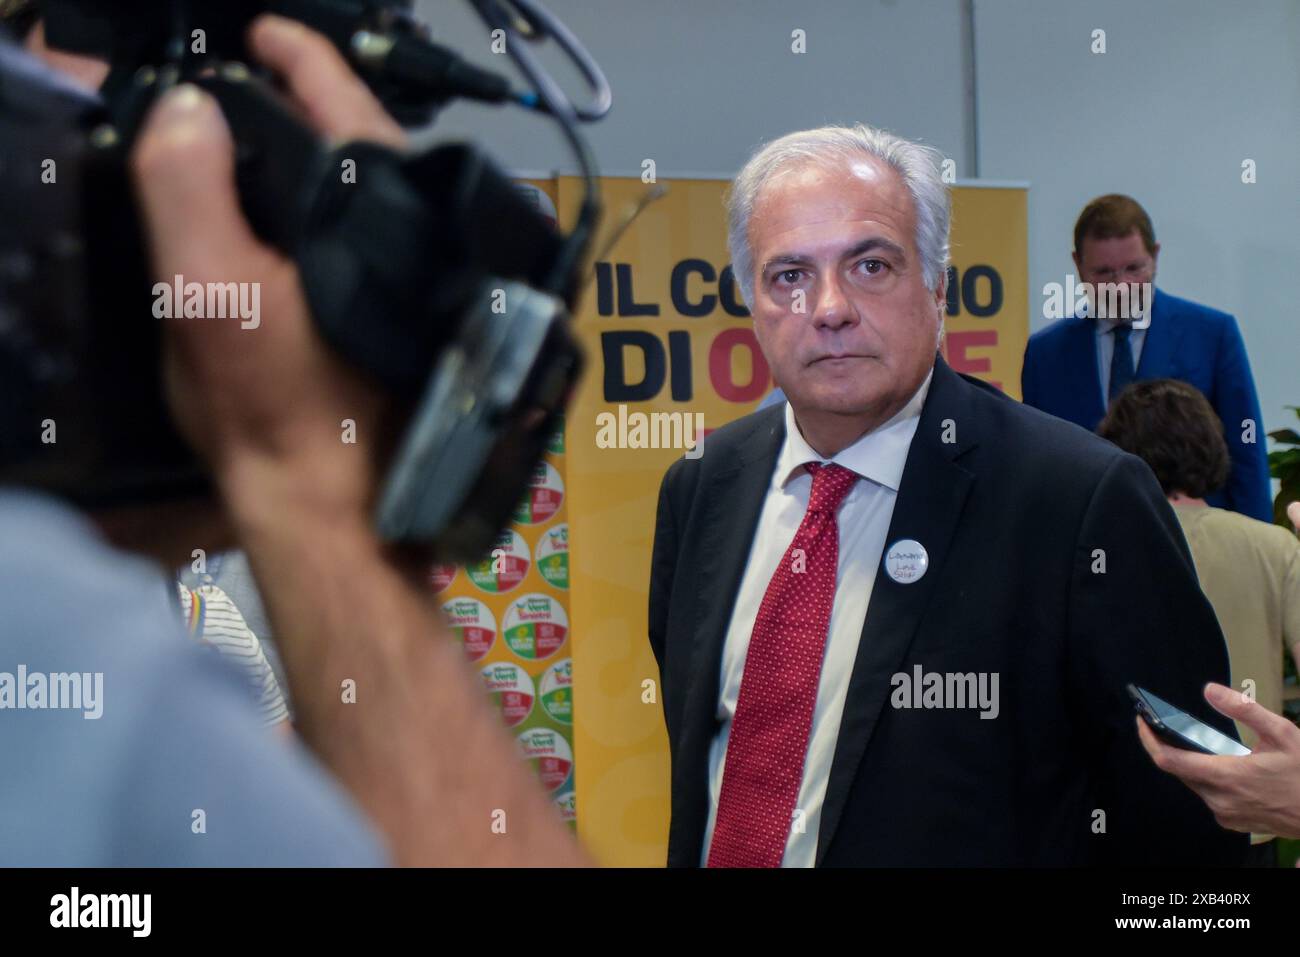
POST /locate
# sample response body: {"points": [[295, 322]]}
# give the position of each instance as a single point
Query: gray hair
{"points": [[918, 165]]}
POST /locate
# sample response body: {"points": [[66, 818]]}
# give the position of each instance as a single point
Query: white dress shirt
{"points": [[863, 521]]}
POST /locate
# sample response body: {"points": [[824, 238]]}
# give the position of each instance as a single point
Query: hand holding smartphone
{"points": [[1180, 729]]}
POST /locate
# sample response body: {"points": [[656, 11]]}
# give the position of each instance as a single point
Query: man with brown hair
{"points": [[1076, 367]]}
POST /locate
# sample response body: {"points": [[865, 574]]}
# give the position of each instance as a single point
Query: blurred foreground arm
{"points": [[415, 740]]}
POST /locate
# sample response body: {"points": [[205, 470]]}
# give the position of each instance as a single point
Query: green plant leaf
{"points": [[1284, 465]]}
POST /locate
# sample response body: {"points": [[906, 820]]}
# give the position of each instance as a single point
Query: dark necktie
{"points": [[1121, 361], [778, 690]]}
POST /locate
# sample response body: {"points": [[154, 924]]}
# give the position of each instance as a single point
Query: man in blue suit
{"points": [[1076, 366]]}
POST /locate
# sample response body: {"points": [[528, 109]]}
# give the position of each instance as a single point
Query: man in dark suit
{"points": [[1075, 367], [895, 617]]}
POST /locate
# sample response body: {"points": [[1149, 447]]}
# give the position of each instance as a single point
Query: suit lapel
{"points": [[1083, 379], [931, 496], [729, 517], [1161, 341]]}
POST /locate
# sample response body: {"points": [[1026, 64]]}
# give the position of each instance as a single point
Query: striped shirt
{"points": [[213, 619]]}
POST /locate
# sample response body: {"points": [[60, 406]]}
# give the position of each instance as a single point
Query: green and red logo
{"points": [[553, 556], [473, 624], [506, 564], [510, 689], [550, 754], [544, 496], [557, 691], [535, 626]]}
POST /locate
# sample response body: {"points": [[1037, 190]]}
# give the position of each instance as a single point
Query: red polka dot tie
{"points": [[770, 729]]}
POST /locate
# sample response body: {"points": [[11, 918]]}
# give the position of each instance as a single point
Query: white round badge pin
{"points": [[906, 561]]}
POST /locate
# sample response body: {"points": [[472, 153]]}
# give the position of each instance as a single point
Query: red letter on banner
{"points": [[720, 366], [956, 345]]}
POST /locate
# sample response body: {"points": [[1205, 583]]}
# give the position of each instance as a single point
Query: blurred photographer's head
{"points": [[160, 529]]}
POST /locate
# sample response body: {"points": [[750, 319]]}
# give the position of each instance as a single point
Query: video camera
{"points": [[428, 271]]}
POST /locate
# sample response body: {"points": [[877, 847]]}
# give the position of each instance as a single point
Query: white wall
{"points": [[699, 83], [1186, 90]]}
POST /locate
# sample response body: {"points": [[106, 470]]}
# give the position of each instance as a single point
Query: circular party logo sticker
{"points": [[535, 626], [557, 691], [441, 577], [505, 566], [553, 556], [473, 623], [543, 498], [568, 805], [550, 754], [510, 689]]}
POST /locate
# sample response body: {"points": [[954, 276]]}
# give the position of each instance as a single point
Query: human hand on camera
{"points": [[264, 405], [1258, 792]]}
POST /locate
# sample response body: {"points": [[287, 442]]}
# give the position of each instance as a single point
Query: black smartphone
{"points": [[1177, 727]]}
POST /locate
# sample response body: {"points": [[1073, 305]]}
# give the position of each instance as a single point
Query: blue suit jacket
{"points": [[1186, 341]]}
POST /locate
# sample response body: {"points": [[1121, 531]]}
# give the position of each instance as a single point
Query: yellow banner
{"points": [[666, 332]]}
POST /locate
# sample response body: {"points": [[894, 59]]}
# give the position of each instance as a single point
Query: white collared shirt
{"points": [[863, 521]]}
